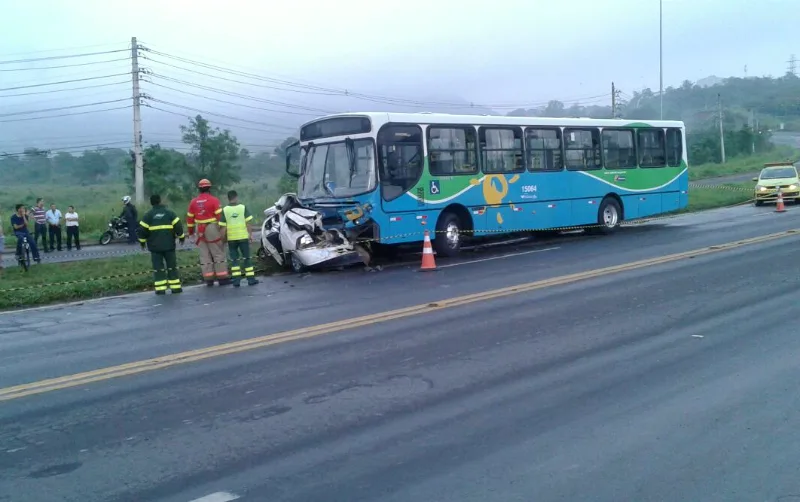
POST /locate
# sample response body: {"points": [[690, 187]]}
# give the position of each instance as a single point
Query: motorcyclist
{"points": [[131, 217]]}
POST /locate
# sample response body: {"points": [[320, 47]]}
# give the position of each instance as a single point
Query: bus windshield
{"points": [[333, 170]]}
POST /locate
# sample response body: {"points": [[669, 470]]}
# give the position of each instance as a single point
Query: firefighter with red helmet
{"points": [[204, 213]]}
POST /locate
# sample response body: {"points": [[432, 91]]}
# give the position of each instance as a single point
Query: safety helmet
{"points": [[203, 183], [126, 199]]}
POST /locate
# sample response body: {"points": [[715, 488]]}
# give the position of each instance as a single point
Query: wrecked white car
{"points": [[294, 237]]}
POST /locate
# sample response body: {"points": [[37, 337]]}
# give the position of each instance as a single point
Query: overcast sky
{"points": [[503, 54]]}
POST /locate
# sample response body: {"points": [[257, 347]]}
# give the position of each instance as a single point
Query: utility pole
{"points": [[613, 101], [661, 55], [721, 134], [753, 130], [792, 65], [138, 169]]}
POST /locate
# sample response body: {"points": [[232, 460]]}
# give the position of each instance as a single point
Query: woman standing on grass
{"points": [[73, 229]]}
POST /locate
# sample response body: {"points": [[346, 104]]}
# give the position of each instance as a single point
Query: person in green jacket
{"points": [[158, 229], [235, 222]]}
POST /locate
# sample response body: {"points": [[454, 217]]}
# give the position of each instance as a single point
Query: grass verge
{"points": [[727, 194], [83, 280], [743, 165]]}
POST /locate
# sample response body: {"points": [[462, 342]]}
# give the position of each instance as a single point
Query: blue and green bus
{"points": [[388, 177]]}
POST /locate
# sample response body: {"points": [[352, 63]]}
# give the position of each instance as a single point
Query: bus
{"points": [[388, 177]]}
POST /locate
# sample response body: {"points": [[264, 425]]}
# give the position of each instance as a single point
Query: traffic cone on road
{"points": [[779, 207], [428, 262]]}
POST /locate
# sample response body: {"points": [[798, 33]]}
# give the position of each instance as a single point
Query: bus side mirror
{"points": [[293, 171]]}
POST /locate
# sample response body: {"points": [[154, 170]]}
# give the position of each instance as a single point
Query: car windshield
{"points": [[329, 172], [778, 172]]}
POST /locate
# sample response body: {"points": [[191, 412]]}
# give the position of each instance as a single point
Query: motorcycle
{"points": [[117, 230], [294, 237]]}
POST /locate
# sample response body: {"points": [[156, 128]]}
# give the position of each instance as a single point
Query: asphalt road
{"points": [[673, 381]]}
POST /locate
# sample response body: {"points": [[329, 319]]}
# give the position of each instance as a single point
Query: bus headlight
{"points": [[792, 187]]}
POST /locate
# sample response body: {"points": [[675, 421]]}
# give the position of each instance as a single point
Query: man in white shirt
{"points": [[53, 217], [73, 231]]}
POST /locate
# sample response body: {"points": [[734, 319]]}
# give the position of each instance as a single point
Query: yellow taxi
{"points": [[777, 175]]}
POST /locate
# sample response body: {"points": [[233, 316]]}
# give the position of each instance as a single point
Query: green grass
{"points": [[81, 280], [96, 204], [742, 165], [727, 194]]}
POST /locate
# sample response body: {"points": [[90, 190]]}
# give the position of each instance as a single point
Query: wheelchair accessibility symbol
{"points": [[435, 187]]}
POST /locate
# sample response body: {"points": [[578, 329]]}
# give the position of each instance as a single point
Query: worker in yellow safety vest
{"points": [[235, 223]]}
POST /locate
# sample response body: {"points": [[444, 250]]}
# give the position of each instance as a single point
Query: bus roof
{"points": [[380, 118]]}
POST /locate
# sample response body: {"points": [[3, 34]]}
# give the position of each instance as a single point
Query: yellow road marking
{"points": [[166, 361]]}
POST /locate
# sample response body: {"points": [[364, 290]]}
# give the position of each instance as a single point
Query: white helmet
{"points": [[126, 199]]}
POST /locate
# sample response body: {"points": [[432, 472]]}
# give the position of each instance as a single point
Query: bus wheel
{"points": [[608, 216], [447, 241]]}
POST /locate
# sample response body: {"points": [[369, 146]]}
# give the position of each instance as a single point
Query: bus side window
{"points": [[651, 148], [501, 150], [452, 150], [400, 159], [544, 149], [582, 148], [674, 147], [619, 149]]}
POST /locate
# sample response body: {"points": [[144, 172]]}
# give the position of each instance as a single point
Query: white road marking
{"points": [[510, 255], [697, 336], [217, 497]]}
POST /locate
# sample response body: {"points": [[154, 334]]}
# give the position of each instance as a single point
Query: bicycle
{"points": [[24, 259]]}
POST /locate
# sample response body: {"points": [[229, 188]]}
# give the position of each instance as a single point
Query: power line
{"points": [[63, 82], [237, 81], [46, 110], [65, 65], [68, 56], [239, 95], [233, 103], [62, 149], [318, 90], [64, 49], [69, 114], [215, 123], [222, 115], [65, 90]]}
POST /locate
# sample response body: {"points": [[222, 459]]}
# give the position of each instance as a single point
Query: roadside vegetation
{"points": [[727, 194], [82, 280], [742, 164]]}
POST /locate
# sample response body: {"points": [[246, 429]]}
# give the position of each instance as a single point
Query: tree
{"points": [[165, 173], [214, 155], [91, 167], [554, 108]]}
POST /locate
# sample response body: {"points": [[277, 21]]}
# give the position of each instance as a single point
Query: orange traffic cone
{"points": [[779, 207], [428, 262]]}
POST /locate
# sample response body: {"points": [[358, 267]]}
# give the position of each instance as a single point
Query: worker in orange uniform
{"points": [[204, 212]]}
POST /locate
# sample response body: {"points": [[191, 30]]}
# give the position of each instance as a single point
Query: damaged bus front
{"points": [[334, 164]]}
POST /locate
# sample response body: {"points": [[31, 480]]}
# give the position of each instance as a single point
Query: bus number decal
{"points": [[420, 196], [529, 191]]}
